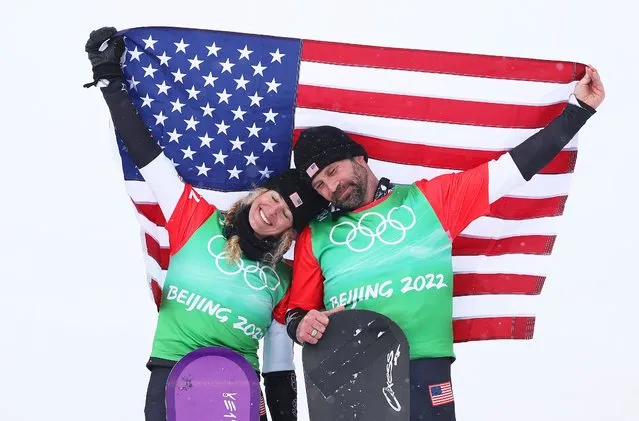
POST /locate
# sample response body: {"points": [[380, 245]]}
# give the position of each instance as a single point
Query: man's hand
{"points": [[590, 89], [313, 325]]}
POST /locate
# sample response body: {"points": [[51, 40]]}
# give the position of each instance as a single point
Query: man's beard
{"points": [[356, 197]]}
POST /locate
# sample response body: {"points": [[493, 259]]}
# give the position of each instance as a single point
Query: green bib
{"points": [[208, 302], [396, 259]]}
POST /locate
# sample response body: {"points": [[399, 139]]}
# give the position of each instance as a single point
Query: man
{"points": [[389, 247]]}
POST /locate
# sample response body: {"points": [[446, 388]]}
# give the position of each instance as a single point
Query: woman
{"points": [[226, 276]]}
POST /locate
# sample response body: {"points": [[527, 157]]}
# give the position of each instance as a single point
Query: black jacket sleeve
{"points": [[293, 318], [533, 154], [135, 134]]}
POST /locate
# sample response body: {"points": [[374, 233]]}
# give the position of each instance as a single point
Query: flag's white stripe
{"points": [[521, 264], [405, 82], [154, 271], [160, 234], [420, 132], [539, 187], [140, 193], [496, 228], [494, 306], [483, 227], [511, 263]]}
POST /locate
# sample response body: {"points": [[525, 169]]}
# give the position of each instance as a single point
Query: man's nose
{"points": [[333, 185]]}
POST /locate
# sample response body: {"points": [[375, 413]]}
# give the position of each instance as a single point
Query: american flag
{"points": [[441, 394], [227, 107]]}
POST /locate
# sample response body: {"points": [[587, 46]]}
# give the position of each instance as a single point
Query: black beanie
{"points": [[320, 146], [302, 199]]}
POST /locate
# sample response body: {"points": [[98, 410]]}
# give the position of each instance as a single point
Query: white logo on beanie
{"points": [[312, 169], [296, 199]]}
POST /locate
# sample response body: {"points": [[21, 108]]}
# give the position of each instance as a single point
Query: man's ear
{"points": [[360, 160]]}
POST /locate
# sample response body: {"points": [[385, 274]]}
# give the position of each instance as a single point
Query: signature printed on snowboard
{"points": [[389, 393]]}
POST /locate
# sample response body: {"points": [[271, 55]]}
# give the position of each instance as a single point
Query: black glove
{"points": [[106, 63]]}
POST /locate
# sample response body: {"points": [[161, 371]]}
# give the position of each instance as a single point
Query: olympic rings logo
{"points": [[389, 230], [235, 268]]}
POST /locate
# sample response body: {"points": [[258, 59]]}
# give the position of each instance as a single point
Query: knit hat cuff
{"points": [[330, 155]]}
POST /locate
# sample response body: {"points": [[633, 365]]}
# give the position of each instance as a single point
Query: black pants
{"points": [[431, 393], [155, 406]]}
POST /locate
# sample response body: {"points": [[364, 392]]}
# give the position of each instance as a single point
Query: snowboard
{"points": [[359, 369], [212, 383]]}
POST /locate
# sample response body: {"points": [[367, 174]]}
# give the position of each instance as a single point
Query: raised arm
{"points": [[145, 152], [460, 198]]}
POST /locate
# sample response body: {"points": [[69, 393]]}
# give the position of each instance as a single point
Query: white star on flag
{"points": [[191, 123], [147, 100], [254, 130], [270, 115], [209, 80], [177, 105], [188, 153], [149, 71], [202, 169], [206, 140], [258, 69], [277, 56], [163, 88], [237, 144], [149, 43], [245, 52], [135, 54], [207, 110], [222, 127], [164, 59], [193, 92], [178, 76], [174, 136], [213, 49], [181, 46], [250, 159], [268, 145], [234, 173]]}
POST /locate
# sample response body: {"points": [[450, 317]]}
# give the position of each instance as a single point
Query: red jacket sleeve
{"points": [[307, 287], [458, 199], [190, 213], [279, 312]]}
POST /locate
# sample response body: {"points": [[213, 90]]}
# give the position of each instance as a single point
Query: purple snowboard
{"points": [[212, 384]]}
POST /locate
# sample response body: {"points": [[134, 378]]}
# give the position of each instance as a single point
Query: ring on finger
{"points": [[314, 333]]}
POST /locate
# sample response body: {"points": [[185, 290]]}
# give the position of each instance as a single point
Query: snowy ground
{"points": [[75, 313]]}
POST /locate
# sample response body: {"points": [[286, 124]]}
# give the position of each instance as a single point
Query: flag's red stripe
{"points": [[427, 109], [476, 65], [479, 329], [159, 254], [525, 244], [445, 158], [462, 246], [152, 212], [505, 208], [519, 208], [157, 293], [497, 283]]}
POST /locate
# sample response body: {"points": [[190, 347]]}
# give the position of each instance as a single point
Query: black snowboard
{"points": [[359, 370]]}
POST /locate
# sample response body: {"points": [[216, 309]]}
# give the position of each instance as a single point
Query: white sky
{"points": [[74, 307]]}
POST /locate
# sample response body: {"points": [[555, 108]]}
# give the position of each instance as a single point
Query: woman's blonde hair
{"points": [[232, 246]]}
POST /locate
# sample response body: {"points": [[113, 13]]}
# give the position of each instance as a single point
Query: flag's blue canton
{"points": [[220, 104], [436, 390]]}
